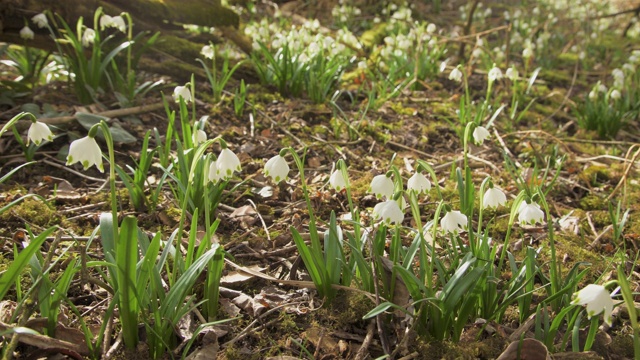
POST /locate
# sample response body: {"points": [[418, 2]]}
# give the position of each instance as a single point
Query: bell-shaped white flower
{"points": [[115, 21], [88, 37], [26, 33], [455, 75], [615, 94], [453, 221], [213, 172], [597, 299], [388, 211], [40, 20], [493, 198], [495, 74], [227, 164], [38, 132], [527, 52], [118, 23], [480, 134], [530, 213], [182, 92], [105, 21], [418, 183], [381, 185], [87, 152], [208, 51], [337, 181], [512, 73], [199, 136], [276, 168]]}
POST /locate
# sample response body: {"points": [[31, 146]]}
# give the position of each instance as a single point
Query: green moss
{"points": [[592, 202], [400, 109], [34, 211]]}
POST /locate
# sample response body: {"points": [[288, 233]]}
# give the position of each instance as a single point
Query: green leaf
{"points": [[9, 277], [126, 260]]}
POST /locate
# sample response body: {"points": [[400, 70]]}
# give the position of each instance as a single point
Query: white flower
{"points": [[388, 211], [381, 186], [116, 22], [512, 73], [88, 37], [494, 197], [40, 20], [337, 181], [199, 136], [213, 172], [418, 183], [227, 163], [615, 94], [208, 51], [455, 75], [87, 152], [593, 95], [597, 299], [495, 74], [453, 221], [530, 213], [480, 134], [431, 28], [182, 92], [276, 168], [26, 33], [39, 131], [105, 21]]}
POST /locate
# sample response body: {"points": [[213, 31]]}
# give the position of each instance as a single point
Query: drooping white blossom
{"points": [[87, 152], [276, 168], [453, 222], [418, 183], [530, 213], [480, 134], [227, 164], [381, 185], [26, 33], [388, 211], [182, 92], [337, 181], [39, 131], [597, 299], [40, 20], [493, 198]]}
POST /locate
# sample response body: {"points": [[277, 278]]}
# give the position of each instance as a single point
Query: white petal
{"points": [[480, 134], [38, 132], [597, 299], [213, 172], [453, 221], [228, 163], [389, 212], [381, 186], [337, 181], [87, 152], [26, 33], [494, 197], [530, 213], [418, 183], [276, 168]]}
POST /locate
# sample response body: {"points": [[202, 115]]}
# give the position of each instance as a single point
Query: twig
{"points": [[362, 351], [623, 180], [63, 167], [467, 28], [109, 114], [109, 354], [264, 225]]}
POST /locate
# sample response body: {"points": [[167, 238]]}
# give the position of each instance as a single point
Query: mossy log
{"points": [[165, 16]]}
